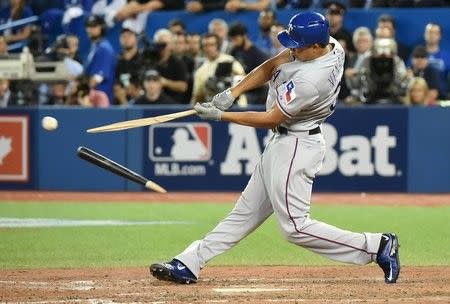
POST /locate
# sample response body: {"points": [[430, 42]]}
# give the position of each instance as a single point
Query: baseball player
{"points": [[304, 84]]}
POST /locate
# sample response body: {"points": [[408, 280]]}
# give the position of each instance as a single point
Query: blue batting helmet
{"points": [[305, 29]]}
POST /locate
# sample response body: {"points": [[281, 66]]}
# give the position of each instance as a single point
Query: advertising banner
{"points": [[14, 148], [365, 152]]}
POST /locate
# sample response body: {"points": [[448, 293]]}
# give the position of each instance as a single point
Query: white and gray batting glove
{"points": [[223, 100], [208, 111]]}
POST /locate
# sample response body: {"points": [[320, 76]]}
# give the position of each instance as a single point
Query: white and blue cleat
{"points": [[388, 258], [174, 271]]}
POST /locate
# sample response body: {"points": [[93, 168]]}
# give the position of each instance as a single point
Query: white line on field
{"points": [[6, 222]]}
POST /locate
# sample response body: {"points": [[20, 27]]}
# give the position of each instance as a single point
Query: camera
{"points": [[151, 52], [58, 50], [382, 70], [221, 79]]}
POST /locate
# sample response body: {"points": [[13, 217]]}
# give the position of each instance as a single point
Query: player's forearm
{"points": [[260, 75], [251, 119]]}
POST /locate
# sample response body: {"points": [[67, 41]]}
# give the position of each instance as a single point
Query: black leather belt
{"points": [[284, 131]]}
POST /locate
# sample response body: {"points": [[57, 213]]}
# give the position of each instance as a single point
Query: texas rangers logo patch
{"points": [[288, 91]]}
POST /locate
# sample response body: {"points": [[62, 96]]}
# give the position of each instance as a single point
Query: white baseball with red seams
{"points": [[306, 93]]}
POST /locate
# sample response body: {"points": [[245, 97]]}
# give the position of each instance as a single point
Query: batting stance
{"points": [[304, 84]]}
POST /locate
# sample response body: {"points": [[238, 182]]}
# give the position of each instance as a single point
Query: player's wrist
{"points": [[233, 92]]}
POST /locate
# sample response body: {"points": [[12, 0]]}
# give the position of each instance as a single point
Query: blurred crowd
{"points": [[178, 67]]}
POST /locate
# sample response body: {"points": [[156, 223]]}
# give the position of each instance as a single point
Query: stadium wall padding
{"points": [[378, 149]]}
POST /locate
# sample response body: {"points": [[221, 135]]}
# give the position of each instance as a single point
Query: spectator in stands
{"points": [[100, 64], [417, 92], [180, 45], [3, 46], [387, 22], [195, 50], [198, 6], [57, 93], [135, 7], [177, 27], [71, 49], [363, 42], [250, 57], [6, 97], [65, 46], [153, 91], [267, 18], [216, 72], [219, 27], [132, 90], [437, 57], [129, 63], [335, 11], [173, 71], [181, 50], [86, 96], [421, 68], [277, 47], [294, 4], [249, 5], [382, 78], [17, 10]]}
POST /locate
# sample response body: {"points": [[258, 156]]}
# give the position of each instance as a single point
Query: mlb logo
{"points": [[14, 149], [180, 142]]}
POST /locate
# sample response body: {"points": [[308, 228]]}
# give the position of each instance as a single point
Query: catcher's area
{"points": [[341, 284], [270, 284]]}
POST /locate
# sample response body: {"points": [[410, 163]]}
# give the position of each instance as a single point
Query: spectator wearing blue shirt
{"points": [[16, 11], [267, 18], [100, 64], [437, 57]]}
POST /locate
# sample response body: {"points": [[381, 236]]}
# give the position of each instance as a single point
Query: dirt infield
{"points": [[390, 199], [339, 284], [270, 284]]}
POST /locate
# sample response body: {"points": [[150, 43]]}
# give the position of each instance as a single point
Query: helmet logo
{"points": [[290, 28]]}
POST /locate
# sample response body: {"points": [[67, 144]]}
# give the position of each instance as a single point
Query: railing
{"points": [[17, 23]]}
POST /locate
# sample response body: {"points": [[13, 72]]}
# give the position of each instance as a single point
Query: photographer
{"points": [[382, 77], [173, 71], [216, 73]]}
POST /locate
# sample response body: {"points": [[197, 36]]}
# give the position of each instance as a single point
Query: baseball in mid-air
{"points": [[49, 123]]}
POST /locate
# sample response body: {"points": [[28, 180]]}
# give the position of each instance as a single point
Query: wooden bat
{"points": [[105, 163], [141, 122]]}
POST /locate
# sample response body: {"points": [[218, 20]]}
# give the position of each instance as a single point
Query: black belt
{"points": [[284, 131]]}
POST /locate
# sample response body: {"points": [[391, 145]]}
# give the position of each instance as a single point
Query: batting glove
{"points": [[223, 100], [208, 111]]}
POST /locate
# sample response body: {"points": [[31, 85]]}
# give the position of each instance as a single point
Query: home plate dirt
{"points": [[270, 284]]}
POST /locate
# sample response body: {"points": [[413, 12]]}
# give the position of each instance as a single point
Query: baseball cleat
{"points": [[174, 271], [388, 258]]}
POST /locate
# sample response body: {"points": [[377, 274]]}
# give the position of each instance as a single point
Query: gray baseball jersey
{"points": [[282, 181]]}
